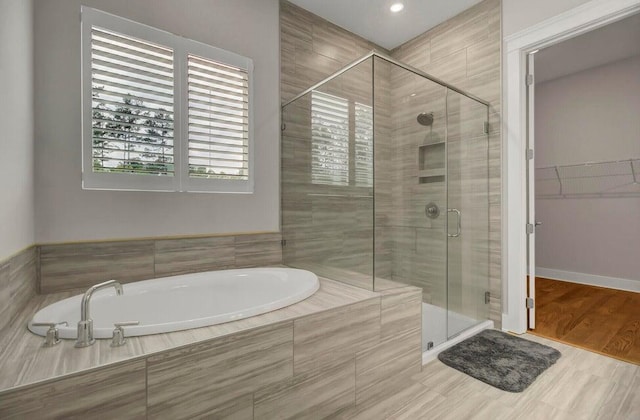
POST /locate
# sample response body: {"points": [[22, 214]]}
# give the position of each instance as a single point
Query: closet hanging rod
{"points": [[592, 163], [620, 178]]}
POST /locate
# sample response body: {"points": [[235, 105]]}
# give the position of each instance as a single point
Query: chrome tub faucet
{"points": [[85, 325]]}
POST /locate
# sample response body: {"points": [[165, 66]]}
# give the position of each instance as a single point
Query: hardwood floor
{"points": [[605, 321]]}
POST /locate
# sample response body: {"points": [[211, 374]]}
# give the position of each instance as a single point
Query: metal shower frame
{"points": [[392, 61]]}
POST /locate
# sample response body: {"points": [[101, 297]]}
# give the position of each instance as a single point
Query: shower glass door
{"points": [[327, 178], [467, 213], [410, 190]]}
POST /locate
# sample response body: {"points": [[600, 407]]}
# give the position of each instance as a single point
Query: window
{"points": [[331, 147], [161, 112], [364, 145], [329, 139]]}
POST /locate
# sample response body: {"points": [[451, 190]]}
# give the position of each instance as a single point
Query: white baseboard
{"points": [[590, 279]]}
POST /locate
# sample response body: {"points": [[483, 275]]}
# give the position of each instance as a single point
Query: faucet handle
{"points": [[118, 332], [52, 338]]}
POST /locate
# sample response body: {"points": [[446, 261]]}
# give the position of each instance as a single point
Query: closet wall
{"points": [[590, 116]]}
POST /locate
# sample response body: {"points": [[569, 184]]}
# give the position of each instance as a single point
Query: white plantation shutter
{"points": [[161, 112], [132, 90], [329, 139], [364, 145], [218, 120]]}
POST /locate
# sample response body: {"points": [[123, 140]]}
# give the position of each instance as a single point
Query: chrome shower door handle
{"points": [[458, 223]]}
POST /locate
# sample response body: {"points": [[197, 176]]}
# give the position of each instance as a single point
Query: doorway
{"points": [[567, 25], [583, 190]]}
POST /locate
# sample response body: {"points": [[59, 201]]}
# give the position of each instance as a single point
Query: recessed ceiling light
{"points": [[396, 7]]}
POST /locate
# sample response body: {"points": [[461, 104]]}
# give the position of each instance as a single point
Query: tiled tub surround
{"points": [[336, 352], [17, 286], [69, 266], [187, 301], [56, 267]]}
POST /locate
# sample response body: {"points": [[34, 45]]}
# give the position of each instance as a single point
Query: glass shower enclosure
{"points": [[384, 182]]}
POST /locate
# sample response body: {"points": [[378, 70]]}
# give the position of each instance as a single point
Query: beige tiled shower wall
{"points": [[327, 228], [465, 52]]}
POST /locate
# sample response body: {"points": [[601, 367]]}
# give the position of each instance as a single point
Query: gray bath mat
{"points": [[501, 360]]}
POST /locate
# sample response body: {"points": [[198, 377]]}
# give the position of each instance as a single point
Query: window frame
{"points": [[316, 151], [352, 180], [182, 48], [370, 174]]}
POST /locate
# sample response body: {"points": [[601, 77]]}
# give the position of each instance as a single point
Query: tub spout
{"points": [[85, 325]]}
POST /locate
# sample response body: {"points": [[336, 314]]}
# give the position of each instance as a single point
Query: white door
{"points": [[531, 198]]}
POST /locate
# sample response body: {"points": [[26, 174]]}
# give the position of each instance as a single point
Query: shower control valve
{"points": [[432, 210]]}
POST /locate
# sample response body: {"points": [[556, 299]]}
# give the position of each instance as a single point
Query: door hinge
{"points": [[530, 303], [283, 127], [529, 154], [529, 79], [530, 228], [487, 297], [283, 243], [486, 127]]}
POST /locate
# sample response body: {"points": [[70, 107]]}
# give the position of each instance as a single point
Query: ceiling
{"points": [[372, 19], [610, 43]]}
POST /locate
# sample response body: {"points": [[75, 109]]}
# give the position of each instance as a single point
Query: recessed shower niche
{"points": [[431, 159]]}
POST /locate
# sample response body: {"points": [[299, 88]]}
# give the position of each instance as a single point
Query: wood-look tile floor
{"points": [[581, 385], [603, 320]]}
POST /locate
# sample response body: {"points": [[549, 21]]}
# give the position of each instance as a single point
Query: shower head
{"points": [[425, 118]]}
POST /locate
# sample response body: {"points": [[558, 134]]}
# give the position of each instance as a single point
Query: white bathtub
{"points": [[183, 302]]}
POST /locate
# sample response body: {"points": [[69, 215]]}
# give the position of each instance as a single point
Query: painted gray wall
{"points": [[16, 120], [589, 116], [65, 212], [521, 14]]}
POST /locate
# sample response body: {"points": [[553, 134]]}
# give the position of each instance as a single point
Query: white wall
{"points": [[520, 14], [590, 116], [65, 212], [16, 120]]}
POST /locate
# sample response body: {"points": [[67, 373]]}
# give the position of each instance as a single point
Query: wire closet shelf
{"points": [[618, 178]]}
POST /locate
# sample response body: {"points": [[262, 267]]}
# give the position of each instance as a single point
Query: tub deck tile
{"points": [[320, 393], [335, 335], [117, 391], [22, 279], [6, 312], [192, 381], [401, 311]]}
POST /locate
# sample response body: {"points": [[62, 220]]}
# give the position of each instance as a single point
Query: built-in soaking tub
{"points": [[183, 302]]}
